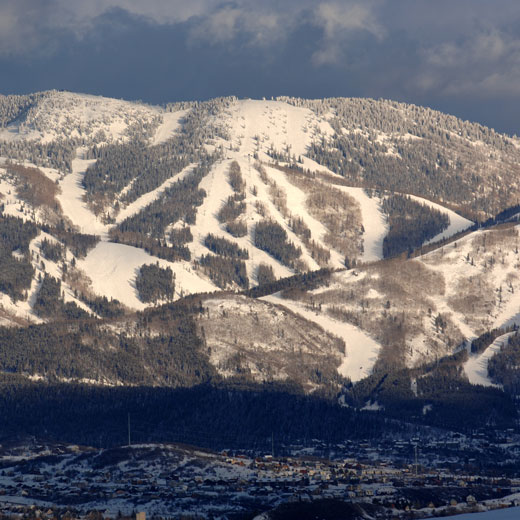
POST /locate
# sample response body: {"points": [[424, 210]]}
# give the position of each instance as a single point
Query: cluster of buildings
{"points": [[167, 480]]}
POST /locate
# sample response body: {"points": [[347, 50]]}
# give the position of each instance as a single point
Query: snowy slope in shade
{"points": [[510, 513], [113, 269], [476, 367], [361, 350], [72, 200]]}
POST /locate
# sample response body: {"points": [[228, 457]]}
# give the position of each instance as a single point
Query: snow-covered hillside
{"points": [[66, 115], [432, 304], [191, 188], [113, 269], [269, 342], [476, 368], [361, 350]]}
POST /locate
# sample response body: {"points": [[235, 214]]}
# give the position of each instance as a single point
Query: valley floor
{"points": [[171, 480]]}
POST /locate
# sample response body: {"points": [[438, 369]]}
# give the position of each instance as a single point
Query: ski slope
{"points": [[113, 269], [361, 350], [146, 199], [476, 367], [171, 123], [216, 184], [374, 223], [72, 199], [256, 125], [456, 225]]}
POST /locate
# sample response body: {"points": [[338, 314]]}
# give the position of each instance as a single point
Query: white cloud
{"points": [[504, 83], [478, 65], [16, 28], [338, 21], [160, 11], [261, 25], [24, 23], [336, 18], [441, 47], [221, 25]]}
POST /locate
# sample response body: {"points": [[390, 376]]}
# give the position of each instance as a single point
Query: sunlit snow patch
{"points": [[361, 350], [476, 367], [113, 269], [72, 199], [456, 225]]}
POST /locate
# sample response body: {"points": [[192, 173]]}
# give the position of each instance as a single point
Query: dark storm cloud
{"points": [[461, 56]]}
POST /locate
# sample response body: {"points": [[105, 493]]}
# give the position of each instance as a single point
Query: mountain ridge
{"points": [[229, 193]]}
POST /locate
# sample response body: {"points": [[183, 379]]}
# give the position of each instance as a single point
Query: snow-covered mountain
{"points": [[229, 194]]}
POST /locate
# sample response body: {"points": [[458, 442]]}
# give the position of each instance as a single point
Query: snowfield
{"points": [[361, 350], [170, 125], [476, 368], [72, 199], [113, 269], [374, 223]]}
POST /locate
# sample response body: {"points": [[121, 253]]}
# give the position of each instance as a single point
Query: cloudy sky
{"points": [[459, 56]]}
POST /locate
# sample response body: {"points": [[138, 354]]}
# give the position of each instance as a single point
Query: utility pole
{"points": [[416, 462], [129, 442], [272, 444]]}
